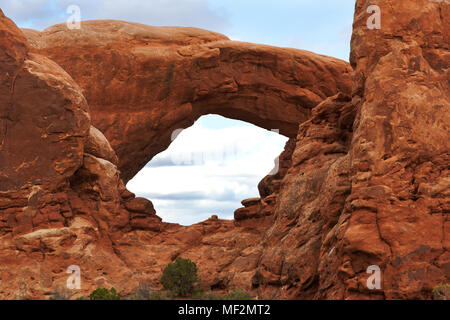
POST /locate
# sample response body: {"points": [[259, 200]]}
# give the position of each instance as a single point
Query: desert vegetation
{"points": [[179, 280], [442, 291]]}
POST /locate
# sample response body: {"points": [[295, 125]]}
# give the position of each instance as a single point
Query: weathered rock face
{"points": [[364, 179], [400, 154], [44, 121], [310, 202], [142, 82], [60, 190], [380, 195], [63, 201]]}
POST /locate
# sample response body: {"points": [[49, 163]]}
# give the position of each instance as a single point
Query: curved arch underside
{"points": [[143, 82]]}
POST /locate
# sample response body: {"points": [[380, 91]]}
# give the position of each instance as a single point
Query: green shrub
{"points": [[145, 292], [442, 291], [157, 295], [237, 294], [209, 296], [180, 277], [104, 294]]}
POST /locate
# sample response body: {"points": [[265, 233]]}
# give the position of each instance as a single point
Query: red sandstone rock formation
{"points": [[376, 194], [63, 201], [363, 181], [400, 153], [60, 190], [143, 82]]}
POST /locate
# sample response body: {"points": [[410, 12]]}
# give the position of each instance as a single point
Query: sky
{"points": [[322, 26], [208, 169], [217, 162]]}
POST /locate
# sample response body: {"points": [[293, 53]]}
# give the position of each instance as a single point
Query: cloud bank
{"points": [[208, 171], [40, 14]]}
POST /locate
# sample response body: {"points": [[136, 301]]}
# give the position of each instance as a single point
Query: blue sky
{"points": [[208, 169], [226, 158], [322, 26]]}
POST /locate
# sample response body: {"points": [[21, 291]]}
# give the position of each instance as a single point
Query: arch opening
{"points": [[208, 169]]}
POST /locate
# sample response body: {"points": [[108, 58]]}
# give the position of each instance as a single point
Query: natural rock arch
{"points": [[143, 82], [368, 184]]}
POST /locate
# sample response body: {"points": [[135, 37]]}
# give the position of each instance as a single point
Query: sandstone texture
{"points": [[363, 179], [398, 209], [369, 182], [143, 83], [60, 190]]}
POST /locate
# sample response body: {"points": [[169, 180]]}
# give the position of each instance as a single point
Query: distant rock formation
{"points": [[363, 180]]}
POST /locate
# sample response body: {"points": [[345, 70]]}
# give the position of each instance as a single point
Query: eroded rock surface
{"points": [[399, 203], [60, 191], [143, 82], [363, 180], [373, 191]]}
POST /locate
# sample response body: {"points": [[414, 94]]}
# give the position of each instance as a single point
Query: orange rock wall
{"points": [[363, 179]]}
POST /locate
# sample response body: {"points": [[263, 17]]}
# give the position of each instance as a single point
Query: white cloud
{"points": [[24, 9], [29, 13], [221, 168], [40, 14]]}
